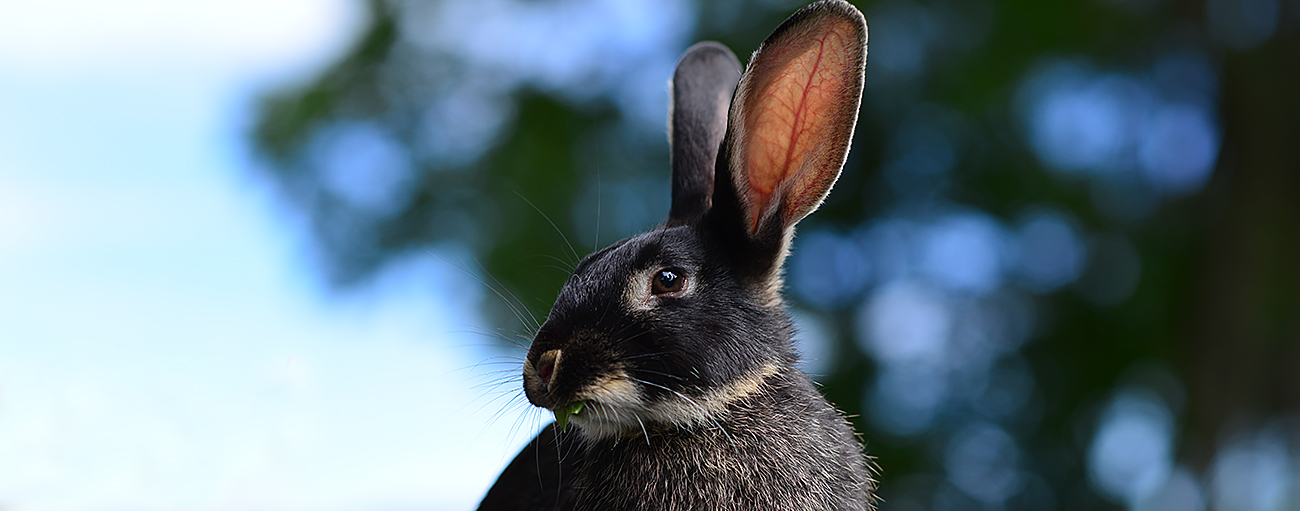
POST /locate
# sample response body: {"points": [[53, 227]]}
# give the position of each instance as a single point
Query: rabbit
{"points": [[671, 352]]}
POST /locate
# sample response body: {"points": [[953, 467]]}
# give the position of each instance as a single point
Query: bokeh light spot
{"points": [[364, 165], [905, 321], [964, 252], [828, 270], [1242, 24], [982, 460], [1132, 453], [906, 399], [1252, 473], [1050, 252], [1178, 149]]}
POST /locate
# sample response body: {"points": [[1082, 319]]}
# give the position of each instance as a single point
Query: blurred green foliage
{"points": [[1216, 303]]}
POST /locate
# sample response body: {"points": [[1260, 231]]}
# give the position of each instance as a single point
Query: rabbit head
{"points": [[666, 328]]}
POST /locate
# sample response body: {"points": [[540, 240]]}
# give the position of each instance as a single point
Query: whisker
{"points": [[519, 420], [497, 383], [493, 360], [557, 228], [559, 469], [655, 354], [643, 431], [557, 268], [632, 338], [521, 310], [699, 407], [596, 243], [514, 309], [513, 365], [500, 376], [499, 411], [512, 371], [514, 339], [568, 266], [512, 403], [661, 374]]}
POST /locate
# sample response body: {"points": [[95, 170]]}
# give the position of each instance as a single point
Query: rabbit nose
{"points": [[546, 368]]}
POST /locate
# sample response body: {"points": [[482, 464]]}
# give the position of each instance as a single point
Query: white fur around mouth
{"points": [[613, 403], [601, 420]]}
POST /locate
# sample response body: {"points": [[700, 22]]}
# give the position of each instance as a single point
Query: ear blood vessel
{"points": [[675, 345]]}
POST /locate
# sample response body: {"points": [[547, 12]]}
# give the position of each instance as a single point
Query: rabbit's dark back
{"points": [[672, 351]]}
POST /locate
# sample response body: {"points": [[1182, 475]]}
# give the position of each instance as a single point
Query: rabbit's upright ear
{"points": [[701, 92], [792, 120]]}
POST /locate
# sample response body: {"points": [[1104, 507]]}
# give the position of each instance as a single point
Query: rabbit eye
{"points": [[666, 281]]}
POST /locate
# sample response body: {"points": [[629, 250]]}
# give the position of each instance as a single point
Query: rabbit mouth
{"points": [[599, 420], [562, 413], [612, 405]]}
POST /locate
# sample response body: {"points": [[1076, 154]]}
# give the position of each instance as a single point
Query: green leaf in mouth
{"points": [[562, 413]]}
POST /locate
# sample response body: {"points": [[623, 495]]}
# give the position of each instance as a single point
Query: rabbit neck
{"points": [[702, 411], [780, 446]]}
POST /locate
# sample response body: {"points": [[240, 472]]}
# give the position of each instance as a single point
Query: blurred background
{"points": [[286, 255]]}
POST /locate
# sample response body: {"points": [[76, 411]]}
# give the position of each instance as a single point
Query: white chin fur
{"points": [[612, 407], [616, 407], [599, 421]]}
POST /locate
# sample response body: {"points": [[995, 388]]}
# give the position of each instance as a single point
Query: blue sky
{"points": [[165, 342]]}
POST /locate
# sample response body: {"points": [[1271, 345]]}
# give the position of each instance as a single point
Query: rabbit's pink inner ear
{"points": [[798, 113]]}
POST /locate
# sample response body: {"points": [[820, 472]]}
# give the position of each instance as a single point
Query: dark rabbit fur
{"points": [[677, 340]]}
